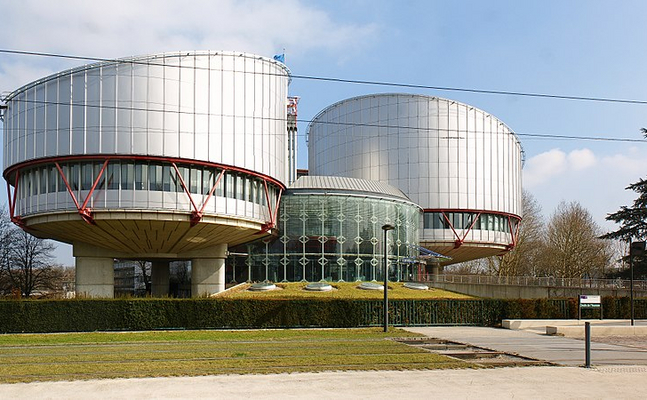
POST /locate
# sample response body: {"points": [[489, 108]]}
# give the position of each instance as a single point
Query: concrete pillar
{"points": [[95, 277], [159, 278], [435, 270], [208, 272]]}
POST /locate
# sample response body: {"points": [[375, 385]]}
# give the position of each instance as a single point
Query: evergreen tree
{"points": [[633, 221]]}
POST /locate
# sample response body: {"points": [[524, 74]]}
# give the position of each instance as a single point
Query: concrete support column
{"points": [[95, 277], [208, 272], [159, 278], [435, 270]]}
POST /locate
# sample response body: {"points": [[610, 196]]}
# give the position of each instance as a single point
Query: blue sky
{"points": [[580, 48]]}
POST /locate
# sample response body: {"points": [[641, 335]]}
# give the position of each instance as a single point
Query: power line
{"points": [[351, 81], [333, 123]]}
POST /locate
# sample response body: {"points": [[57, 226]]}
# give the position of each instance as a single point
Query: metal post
{"points": [[631, 280], [386, 228], [587, 339]]}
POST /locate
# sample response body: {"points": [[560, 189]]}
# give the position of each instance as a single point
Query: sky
{"points": [[587, 48]]}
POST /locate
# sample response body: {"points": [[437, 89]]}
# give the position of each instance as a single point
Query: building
{"points": [[460, 164], [330, 228], [172, 156], [187, 157]]}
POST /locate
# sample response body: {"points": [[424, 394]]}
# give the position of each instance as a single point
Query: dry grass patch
{"points": [[342, 290], [47, 357]]}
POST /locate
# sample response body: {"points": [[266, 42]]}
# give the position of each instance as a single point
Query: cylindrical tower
{"points": [[169, 156], [460, 164]]}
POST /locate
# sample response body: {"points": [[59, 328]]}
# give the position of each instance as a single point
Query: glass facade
{"points": [[136, 184], [465, 220], [332, 237]]}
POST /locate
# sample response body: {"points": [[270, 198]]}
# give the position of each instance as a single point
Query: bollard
{"points": [[587, 340]]}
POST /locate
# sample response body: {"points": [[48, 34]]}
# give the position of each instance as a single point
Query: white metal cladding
{"points": [[220, 107], [339, 184], [441, 153]]}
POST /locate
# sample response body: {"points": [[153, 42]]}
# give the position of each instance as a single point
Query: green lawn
{"points": [[73, 356], [341, 290]]}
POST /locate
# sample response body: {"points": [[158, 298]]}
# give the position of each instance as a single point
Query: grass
{"points": [[341, 290], [97, 355]]}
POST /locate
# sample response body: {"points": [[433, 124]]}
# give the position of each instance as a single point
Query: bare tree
{"points": [[573, 247], [145, 269], [524, 259], [29, 262]]}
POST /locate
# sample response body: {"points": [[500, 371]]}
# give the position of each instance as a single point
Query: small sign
{"points": [[590, 301]]}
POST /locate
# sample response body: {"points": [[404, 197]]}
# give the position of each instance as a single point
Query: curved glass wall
{"points": [[467, 220], [332, 237], [140, 184]]}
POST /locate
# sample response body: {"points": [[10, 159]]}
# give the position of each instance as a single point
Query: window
{"points": [[127, 176], [53, 173], [229, 185], [140, 176], [155, 177], [195, 180], [73, 177], [169, 179], [86, 177], [43, 180], [112, 176]]}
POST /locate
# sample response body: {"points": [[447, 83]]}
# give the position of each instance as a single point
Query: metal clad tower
{"points": [[460, 164], [162, 157]]}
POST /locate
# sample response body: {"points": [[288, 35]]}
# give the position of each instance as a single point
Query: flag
{"points": [[280, 57]]}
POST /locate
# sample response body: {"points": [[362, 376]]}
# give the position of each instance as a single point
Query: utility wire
{"points": [[318, 122], [350, 81]]}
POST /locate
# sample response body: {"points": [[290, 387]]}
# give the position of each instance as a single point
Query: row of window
{"points": [[463, 220], [142, 176]]}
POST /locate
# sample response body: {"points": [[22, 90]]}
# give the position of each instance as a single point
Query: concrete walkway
{"points": [[484, 384], [555, 349]]}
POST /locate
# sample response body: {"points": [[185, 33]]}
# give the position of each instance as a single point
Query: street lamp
{"points": [[386, 228], [636, 249]]}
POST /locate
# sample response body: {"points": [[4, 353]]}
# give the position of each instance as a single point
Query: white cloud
{"points": [[542, 167], [129, 27], [581, 159], [596, 182]]}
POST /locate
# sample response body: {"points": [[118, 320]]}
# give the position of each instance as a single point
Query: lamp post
{"points": [[386, 228], [636, 249]]}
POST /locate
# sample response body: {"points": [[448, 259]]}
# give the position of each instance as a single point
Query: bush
{"points": [[83, 315]]}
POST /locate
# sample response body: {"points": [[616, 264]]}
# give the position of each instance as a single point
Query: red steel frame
{"points": [[514, 232], [86, 212]]}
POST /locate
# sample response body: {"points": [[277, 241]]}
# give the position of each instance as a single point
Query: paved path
{"points": [[498, 383], [556, 349]]}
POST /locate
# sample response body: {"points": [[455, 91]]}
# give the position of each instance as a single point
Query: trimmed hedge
{"points": [[85, 315]]}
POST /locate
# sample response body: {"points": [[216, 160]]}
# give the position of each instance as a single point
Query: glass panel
{"points": [[220, 189], [112, 176], [61, 183], [155, 177], [229, 185], [240, 195], [87, 177], [208, 178], [140, 176], [196, 180], [127, 176], [43, 180], [53, 173], [169, 179], [73, 178]]}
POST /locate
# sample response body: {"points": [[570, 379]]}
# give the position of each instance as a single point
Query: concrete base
{"points": [[208, 274], [159, 278], [597, 330], [95, 277]]}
